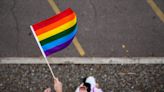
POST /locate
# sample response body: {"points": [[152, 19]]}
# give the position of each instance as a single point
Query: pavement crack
{"points": [[4, 13], [17, 26], [94, 10]]}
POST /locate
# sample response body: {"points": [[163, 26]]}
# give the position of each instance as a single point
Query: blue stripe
{"points": [[59, 41]]}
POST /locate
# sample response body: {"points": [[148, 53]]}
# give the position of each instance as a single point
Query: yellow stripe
{"points": [[156, 9], [57, 30], [78, 47]]}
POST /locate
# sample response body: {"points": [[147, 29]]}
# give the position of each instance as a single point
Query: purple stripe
{"points": [[57, 48]]}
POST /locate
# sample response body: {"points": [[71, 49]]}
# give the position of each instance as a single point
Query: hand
{"points": [[47, 90], [57, 85]]}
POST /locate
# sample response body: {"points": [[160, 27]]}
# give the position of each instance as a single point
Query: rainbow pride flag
{"points": [[55, 33]]}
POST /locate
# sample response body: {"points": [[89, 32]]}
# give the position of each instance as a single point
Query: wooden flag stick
{"points": [[75, 40], [50, 67], [43, 53]]}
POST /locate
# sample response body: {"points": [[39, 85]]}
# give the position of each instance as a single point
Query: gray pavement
{"points": [[107, 28], [160, 4], [112, 78]]}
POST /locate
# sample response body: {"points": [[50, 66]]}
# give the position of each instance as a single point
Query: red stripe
{"points": [[52, 19]]}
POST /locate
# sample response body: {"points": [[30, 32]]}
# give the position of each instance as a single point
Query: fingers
{"points": [[56, 80], [47, 90], [57, 85]]}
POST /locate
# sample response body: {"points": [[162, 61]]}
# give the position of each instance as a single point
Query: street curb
{"points": [[83, 60]]}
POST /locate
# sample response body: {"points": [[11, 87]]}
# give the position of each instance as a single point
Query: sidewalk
{"points": [[119, 78]]}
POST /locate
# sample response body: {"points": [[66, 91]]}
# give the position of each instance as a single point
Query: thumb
{"points": [[56, 80]]}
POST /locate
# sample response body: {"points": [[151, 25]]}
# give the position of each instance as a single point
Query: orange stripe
{"points": [[55, 24]]}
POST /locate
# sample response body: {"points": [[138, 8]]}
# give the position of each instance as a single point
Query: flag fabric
{"points": [[57, 32]]}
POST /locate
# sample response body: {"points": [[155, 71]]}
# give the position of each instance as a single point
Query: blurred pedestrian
{"points": [[88, 85]]}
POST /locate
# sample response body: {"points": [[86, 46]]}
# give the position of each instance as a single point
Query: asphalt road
{"points": [[107, 28]]}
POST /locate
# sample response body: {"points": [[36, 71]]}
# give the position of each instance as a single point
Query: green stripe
{"points": [[57, 36]]}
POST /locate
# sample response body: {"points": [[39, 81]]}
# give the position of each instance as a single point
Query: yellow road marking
{"points": [[54, 6], [78, 47], [75, 40], [156, 9]]}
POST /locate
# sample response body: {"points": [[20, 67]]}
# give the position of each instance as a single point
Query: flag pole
{"points": [[43, 52], [75, 40]]}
